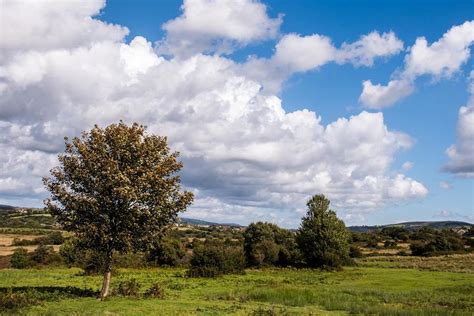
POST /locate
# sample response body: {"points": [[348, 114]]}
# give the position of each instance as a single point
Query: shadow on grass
{"points": [[12, 298], [69, 291]]}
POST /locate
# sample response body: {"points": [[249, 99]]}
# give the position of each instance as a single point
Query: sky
{"points": [[268, 102]]}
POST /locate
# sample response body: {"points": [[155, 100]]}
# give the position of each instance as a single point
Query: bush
{"points": [[372, 243], [439, 245], [54, 238], [166, 252], [390, 244], [13, 300], [214, 258], [69, 252], [20, 259], [355, 252], [43, 254], [155, 291], [268, 244], [127, 288]]}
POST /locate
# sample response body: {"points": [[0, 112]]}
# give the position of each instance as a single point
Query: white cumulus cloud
{"points": [[441, 59], [461, 154], [245, 157], [218, 25]]}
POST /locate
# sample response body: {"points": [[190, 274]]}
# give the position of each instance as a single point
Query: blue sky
{"points": [[332, 89]]}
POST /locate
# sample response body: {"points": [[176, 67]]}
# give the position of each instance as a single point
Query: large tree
{"points": [[117, 189], [322, 237]]}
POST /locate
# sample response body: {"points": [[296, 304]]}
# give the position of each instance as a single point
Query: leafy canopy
{"points": [[116, 188], [322, 237]]}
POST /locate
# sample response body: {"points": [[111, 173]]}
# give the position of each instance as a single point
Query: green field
{"points": [[379, 289]]}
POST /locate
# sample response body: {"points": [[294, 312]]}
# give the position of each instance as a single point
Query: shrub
{"points": [[372, 243], [214, 258], [439, 245], [166, 252], [43, 254], [268, 244], [390, 244], [355, 252], [54, 238], [13, 300], [127, 288], [69, 252], [20, 259], [264, 253], [155, 291]]}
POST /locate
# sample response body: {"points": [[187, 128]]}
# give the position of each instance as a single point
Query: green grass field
{"points": [[378, 289]]}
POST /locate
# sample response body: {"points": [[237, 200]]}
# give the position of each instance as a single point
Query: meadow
{"points": [[374, 287]]}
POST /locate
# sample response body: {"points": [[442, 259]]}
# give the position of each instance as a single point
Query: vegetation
{"points": [[53, 238], [117, 190], [166, 252], [322, 238], [202, 270], [280, 291], [266, 244], [214, 258]]}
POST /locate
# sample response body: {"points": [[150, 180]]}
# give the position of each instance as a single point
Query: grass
{"points": [[452, 263], [356, 290]]}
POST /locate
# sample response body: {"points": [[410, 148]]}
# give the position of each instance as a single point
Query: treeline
{"points": [[322, 241], [424, 241]]}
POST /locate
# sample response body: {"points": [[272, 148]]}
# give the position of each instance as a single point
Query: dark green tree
{"points": [[322, 237], [268, 244], [117, 189], [166, 252]]}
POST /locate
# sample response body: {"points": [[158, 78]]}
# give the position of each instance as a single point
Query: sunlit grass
{"points": [[359, 290]]}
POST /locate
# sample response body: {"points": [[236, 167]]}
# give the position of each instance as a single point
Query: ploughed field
{"points": [[383, 286]]}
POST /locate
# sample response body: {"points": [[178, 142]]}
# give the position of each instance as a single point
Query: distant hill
{"points": [[192, 221], [407, 225], [414, 225], [6, 207]]}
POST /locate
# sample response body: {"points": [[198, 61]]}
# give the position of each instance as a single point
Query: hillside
{"points": [[414, 225], [34, 214]]}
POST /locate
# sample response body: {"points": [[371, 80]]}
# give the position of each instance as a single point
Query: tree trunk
{"points": [[107, 273]]}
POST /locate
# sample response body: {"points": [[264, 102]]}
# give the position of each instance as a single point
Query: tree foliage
{"points": [[214, 257], [117, 189], [268, 244], [322, 237]]}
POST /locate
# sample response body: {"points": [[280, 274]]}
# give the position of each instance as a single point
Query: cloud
{"points": [[439, 60], [302, 53], [461, 154], [450, 215], [295, 53], [46, 25], [218, 26], [442, 58], [379, 96], [373, 45], [408, 165], [245, 157], [445, 185]]}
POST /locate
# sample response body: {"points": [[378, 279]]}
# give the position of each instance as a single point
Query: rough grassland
{"points": [[358, 290]]}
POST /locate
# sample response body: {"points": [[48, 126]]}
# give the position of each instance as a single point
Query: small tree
{"points": [[322, 237], [117, 189]]}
